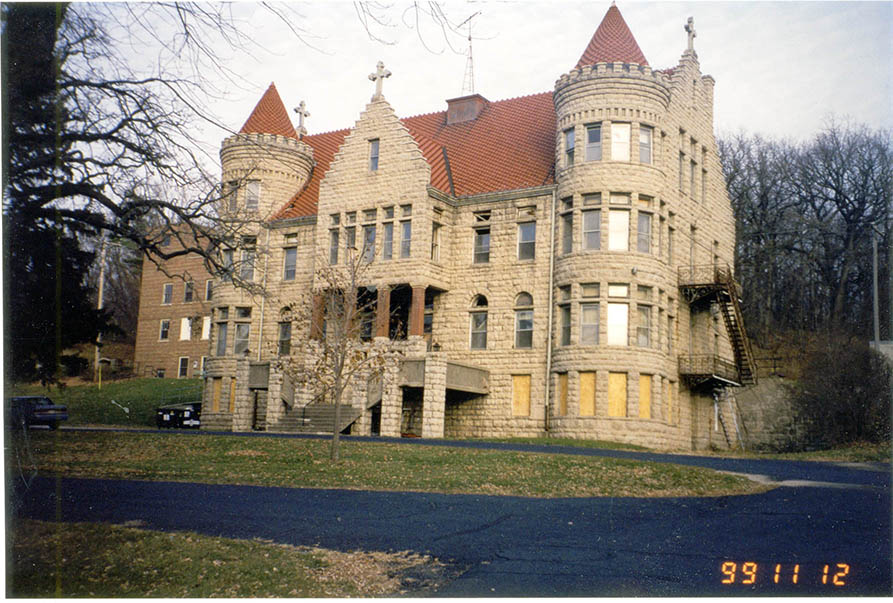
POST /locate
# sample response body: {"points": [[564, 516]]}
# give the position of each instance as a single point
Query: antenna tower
{"points": [[468, 80]]}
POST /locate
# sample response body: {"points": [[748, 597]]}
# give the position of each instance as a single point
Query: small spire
{"points": [[378, 78]]}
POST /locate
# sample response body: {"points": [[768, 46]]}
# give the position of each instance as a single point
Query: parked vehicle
{"points": [[178, 416], [24, 411]]}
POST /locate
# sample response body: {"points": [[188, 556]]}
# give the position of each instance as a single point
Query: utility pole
{"points": [[97, 366], [875, 305]]}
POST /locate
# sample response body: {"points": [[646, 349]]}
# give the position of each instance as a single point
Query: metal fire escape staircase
{"points": [[715, 283]]}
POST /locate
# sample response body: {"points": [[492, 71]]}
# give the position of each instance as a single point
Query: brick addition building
{"points": [[562, 261], [174, 324]]}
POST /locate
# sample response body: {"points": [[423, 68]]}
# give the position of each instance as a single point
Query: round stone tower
{"points": [[265, 164], [612, 279]]}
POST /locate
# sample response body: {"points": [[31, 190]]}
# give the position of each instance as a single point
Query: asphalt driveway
{"points": [[833, 515]]}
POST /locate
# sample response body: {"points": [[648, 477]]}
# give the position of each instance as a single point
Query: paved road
{"points": [[513, 546]]}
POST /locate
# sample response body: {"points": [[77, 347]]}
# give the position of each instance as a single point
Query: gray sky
{"points": [[781, 68]]}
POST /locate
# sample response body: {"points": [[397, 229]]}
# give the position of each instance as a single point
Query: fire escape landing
{"points": [[714, 283]]}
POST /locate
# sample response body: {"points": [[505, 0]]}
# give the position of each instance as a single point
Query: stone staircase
{"points": [[319, 417]]}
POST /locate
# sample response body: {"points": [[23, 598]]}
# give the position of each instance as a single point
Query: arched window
{"points": [[479, 323], [524, 320]]}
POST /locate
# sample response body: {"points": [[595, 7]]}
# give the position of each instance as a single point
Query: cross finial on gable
{"points": [[302, 112], [690, 29], [378, 78]]}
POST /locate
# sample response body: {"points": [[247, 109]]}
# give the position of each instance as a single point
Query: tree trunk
{"points": [[335, 454]]}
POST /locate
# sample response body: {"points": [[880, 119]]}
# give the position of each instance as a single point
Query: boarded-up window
{"points": [[562, 394], [644, 396], [521, 395], [587, 394], [232, 394], [216, 386], [616, 394]]}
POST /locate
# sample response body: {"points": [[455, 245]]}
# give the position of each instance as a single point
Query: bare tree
{"points": [[340, 351]]}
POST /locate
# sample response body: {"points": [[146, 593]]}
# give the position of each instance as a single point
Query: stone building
{"points": [[556, 263]]}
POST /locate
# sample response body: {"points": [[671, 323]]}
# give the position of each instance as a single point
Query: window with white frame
{"points": [[405, 238], [183, 367], [222, 333], [643, 234], [620, 141], [209, 289], [374, 145], [589, 323], [482, 245], [643, 328], [593, 142], [188, 291], [569, 145], [252, 194], [435, 241], [524, 320], [167, 293], [592, 223], [567, 232], [334, 237], [479, 323], [645, 141], [242, 336], [387, 245], [289, 263], [164, 330], [206, 327], [284, 338], [564, 321], [368, 242], [527, 241]]}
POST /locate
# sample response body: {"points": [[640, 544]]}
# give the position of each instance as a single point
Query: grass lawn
{"points": [[89, 405], [550, 441], [50, 559], [364, 466]]}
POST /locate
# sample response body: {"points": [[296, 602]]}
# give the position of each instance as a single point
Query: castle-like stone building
{"points": [[554, 263]]}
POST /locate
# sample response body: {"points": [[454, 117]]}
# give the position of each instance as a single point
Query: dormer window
{"points": [[373, 154]]}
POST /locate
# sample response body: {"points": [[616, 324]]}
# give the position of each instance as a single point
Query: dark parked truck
{"points": [[186, 415], [24, 411]]}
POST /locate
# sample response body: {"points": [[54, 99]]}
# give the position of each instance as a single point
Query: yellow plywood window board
{"points": [[216, 386], [562, 394], [616, 394], [644, 396], [587, 394], [521, 395], [232, 394]]}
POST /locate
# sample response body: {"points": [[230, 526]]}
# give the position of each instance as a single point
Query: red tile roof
{"points": [[269, 116], [612, 42], [511, 145]]}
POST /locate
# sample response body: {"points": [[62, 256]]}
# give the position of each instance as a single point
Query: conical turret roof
{"points": [[269, 116], [612, 42]]}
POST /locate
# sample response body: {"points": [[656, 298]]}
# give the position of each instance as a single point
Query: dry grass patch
{"points": [[365, 466], [99, 560]]}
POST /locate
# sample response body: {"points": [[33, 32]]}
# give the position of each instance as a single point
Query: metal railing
{"points": [[705, 274], [707, 364]]}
